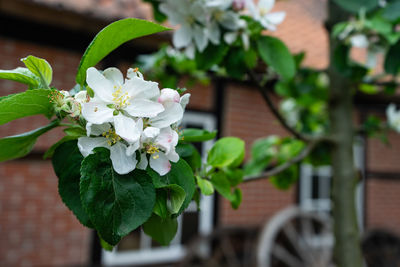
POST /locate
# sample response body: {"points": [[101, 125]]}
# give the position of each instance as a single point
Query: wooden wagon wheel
{"points": [[296, 238], [232, 247]]}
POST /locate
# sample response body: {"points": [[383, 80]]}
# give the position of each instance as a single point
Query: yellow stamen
{"points": [[151, 149], [111, 136], [119, 98]]}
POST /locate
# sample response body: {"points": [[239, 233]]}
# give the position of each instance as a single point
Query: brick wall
{"points": [[36, 228], [247, 116]]}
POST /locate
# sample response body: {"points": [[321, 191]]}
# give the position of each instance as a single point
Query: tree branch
{"points": [[304, 153], [275, 111]]}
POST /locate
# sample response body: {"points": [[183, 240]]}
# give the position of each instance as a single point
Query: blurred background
{"points": [[36, 229]]}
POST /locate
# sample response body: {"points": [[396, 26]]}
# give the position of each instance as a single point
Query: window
{"points": [[315, 185], [138, 249]]}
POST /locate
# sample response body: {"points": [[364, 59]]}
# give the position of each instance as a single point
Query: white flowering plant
{"points": [[123, 162]]}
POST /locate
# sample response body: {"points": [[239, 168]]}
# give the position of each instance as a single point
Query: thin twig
{"points": [[274, 171], [275, 111]]}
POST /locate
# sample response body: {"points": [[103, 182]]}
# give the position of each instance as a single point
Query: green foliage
{"points": [[197, 135], [158, 16], [116, 204], [391, 11], [180, 174], [22, 75], [275, 54], [355, 6], [112, 37], [392, 63], [189, 153], [17, 146], [284, 180], [161, 230], [222, 184], [211, 56], [31, 102], [41, 68], [263, 151], [205, 186], [50, 152], [67, 163], [227, 151]]}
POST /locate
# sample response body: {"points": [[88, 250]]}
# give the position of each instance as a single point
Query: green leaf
{"points": [[189, 153], [197, 135], [205, 186], [112, 37], [275, 54], [211, 56], [66, 163], [41, 68], [392, 62], [355, 6], [235, 63], [222, 185], [17, 146], [116, 204], [235, 176], [24, 104], [50, 152], [176, 199], [105, 245], [76, 131], [227, 151], [160, 207], [180, 174], [161, 230], [392, 11], [22, 75], [285, 179], [237, 199], [368, 89]]}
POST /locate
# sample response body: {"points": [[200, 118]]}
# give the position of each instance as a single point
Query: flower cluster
{"points": [[132, 118], [204, 21], [64, 102]]}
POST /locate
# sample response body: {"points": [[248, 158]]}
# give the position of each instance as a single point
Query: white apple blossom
{"points": [[261, 13], [121, 154], [160, 145], [119, 102], [191, 16], [393, 117], [112, 123]]}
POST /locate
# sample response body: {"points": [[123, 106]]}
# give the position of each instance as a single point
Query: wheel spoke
{"points": [[284, 256]]}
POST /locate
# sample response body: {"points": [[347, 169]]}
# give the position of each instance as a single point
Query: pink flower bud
{"points": [[169, 95]]}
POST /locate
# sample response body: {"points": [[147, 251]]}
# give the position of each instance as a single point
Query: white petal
{"points": [[230, 20], [126, 128], [87, 144], [167, 139], [160, 163], [131, 149], [182, 37], [97, 129], [150, 133], [266, 5], [185, 100], [168, 95], [173, 113], [114, 75], [200, 38], [122, 163], [276, 18], [172, 156], [245, 41], [81, 97], [359, 40], [101, 86], [97, 112], [391, 112], [143, 162], [230, 37], [144, 108], [139, 88], [214, 33], [190, 51]]}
